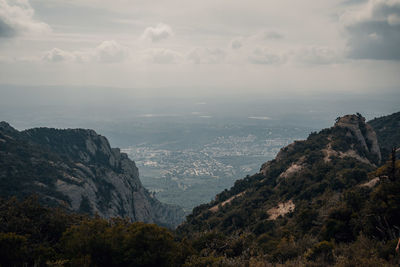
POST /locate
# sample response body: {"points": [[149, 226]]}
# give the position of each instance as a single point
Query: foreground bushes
{"points": [[33, 235]]}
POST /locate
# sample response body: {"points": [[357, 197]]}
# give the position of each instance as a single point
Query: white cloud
{"points": [[162, 56], [16, 17], [263, 48], [374, 30], [111, 52], [258, 38], [158, 33], [206, 55], [318, 55], [266, 35], [58, 55], [262, 55], [106, 52]]}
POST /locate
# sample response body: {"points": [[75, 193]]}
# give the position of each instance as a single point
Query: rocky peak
{"points": [[350, 136], [364, 133]]}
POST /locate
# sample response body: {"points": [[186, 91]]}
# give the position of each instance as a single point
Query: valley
{"points": [[189, 176]]}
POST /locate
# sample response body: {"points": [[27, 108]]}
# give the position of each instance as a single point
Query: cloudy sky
{"points": [[229, 46]]}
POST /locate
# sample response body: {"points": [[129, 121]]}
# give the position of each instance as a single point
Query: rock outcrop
{"points": [[364, 133], [350, 137], [78, 169]]}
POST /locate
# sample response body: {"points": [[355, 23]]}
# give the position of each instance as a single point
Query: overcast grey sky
{"points": [[252, 46]]}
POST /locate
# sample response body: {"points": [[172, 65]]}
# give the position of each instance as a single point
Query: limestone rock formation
{"points": [[364, 133], [78, 169]]}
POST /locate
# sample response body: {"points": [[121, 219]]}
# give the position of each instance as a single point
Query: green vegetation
{"points": [[34, 235], [360, 230], [335, 211]]}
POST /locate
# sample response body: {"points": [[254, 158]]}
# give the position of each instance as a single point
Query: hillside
{"points": [[324, 165], [77, 169], [323, 189]]}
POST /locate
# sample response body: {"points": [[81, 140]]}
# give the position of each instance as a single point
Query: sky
{"points": [[225, 47]]}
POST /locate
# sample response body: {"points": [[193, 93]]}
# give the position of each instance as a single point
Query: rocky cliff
{"points": [[78, 169]]}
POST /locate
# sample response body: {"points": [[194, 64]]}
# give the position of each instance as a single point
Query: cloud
{"points": [[258, 38], [261, 48], [58, 55], [319, 55], [264, 56], [16, 17], [374, 30], [267, 35], [110, 52], [206, 55], [158, 33], [162, 56], [106, 52]]}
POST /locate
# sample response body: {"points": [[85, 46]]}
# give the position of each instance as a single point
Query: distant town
{"points": [[189, 177]]}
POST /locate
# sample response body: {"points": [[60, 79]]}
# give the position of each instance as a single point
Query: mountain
{"points": [[327, 162], [320, 196], [77, 169], [387, 129]]}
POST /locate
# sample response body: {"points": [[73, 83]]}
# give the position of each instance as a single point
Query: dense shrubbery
{"points": [[334, 214], [31, 234]]}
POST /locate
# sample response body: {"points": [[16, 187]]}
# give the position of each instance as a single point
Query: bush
{"points": [[323, 250], [13, 249]]}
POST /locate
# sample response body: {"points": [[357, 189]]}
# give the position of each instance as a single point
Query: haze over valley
{"points": [[187, 148], [199, 133]]}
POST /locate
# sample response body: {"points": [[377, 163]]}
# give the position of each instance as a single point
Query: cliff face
{"points": [[78, 169], [363, 132]]}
